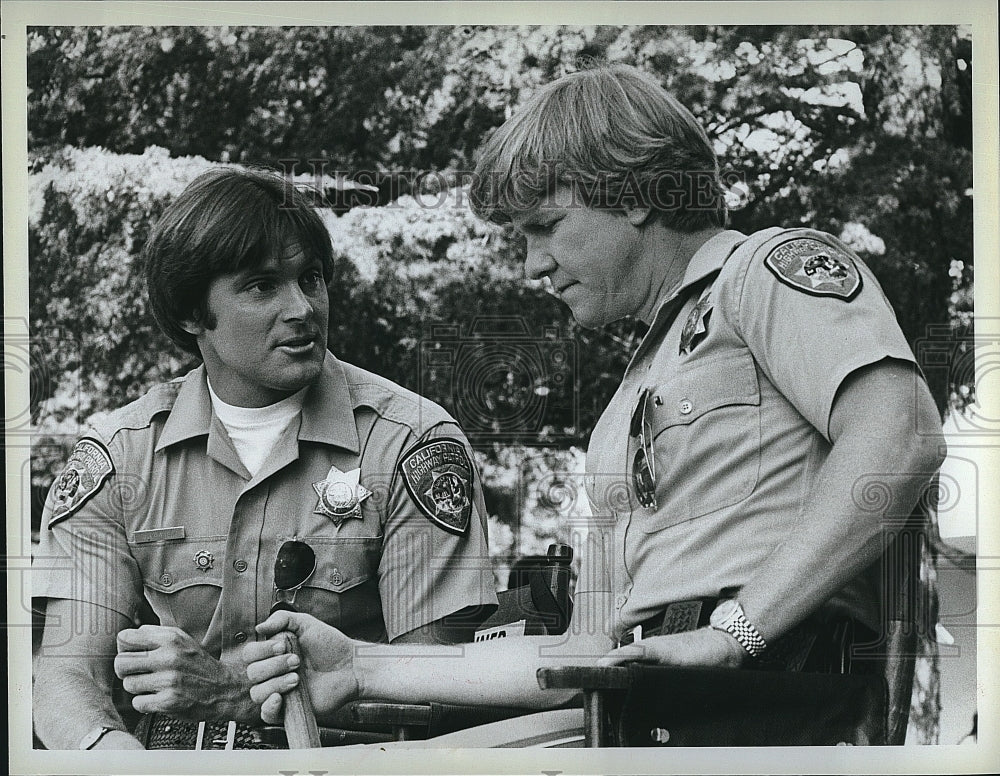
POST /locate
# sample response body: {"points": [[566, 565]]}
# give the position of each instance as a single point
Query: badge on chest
{"points": [[340, 495]]}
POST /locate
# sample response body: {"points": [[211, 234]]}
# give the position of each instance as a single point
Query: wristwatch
{"points": [[729, 617], [90, 740]]}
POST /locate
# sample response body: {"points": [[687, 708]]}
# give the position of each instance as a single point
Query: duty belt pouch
{"points": [[739, 707]]}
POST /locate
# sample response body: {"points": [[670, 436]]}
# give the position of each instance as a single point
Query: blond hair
{"points": [[614, 135]]}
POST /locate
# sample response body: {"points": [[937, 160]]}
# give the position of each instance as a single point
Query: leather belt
{"points": [[677, 617], [161, 731]]}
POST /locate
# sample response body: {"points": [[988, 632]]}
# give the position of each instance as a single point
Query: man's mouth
{"points": [[298, 345]]}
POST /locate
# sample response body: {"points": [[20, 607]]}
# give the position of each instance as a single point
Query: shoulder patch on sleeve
{"points": [[88, 467], [815, 268], [438, 476]]}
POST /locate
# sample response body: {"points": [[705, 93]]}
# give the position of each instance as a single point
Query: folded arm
{"points": [[71, 694]]}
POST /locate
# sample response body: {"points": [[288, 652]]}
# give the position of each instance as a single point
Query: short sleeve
{"points": [[83, 554], [435, 557], [812, 313]]}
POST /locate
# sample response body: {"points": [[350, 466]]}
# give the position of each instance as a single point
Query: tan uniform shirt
{"points": [[742, 362], [181, 528]]}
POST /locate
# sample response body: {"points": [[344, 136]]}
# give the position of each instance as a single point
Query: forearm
{"points": [[68, 703], [229, 698], [501, 672], [839, 534]]}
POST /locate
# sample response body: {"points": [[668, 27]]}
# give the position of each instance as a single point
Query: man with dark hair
{"points": [[728, 475], [159, 540]]}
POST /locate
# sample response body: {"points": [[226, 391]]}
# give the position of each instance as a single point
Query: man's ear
{"points": [[638, 215], [193, 327]]}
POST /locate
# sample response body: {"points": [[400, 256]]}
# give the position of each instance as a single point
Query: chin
{"points": [[588, 320], [302, 375]]}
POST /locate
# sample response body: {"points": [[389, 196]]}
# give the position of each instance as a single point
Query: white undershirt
{"points": [[255, 431]]}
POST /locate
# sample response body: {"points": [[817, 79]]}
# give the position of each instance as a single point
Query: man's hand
{"points": [[168, 671], [328, 656], [702, 647]]}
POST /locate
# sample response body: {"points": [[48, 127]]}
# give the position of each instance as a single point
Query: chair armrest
{"points": [[643, 705], [409, 721], [393, 714], [585, 678]]}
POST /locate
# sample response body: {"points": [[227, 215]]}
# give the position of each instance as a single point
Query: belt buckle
{"points": [[631, 636], [228, 743]]}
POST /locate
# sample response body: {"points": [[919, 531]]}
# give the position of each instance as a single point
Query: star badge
{"points": [[696, 325], [340, 495]]}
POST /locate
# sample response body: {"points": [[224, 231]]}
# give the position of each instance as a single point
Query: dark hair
{"points": [[227, 219], [614, 135]]}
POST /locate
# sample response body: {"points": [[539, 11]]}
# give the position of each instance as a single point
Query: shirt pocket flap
{"points": [[702, 388], [342, 564], [176, 564]]}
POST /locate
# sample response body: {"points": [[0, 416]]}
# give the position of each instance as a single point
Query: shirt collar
{"points": [[327, 414], [708, 259]]}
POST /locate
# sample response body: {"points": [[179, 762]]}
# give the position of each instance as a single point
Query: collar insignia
{"points": [[696, 325]]}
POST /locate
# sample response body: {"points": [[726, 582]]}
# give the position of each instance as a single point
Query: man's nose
{"points": [[296, 304], [538, 260]]}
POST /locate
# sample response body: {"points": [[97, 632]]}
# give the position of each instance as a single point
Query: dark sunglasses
{"points": [[295, 563], [644, 462]]}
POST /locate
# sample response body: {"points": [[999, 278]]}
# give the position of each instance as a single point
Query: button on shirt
{"points": [[739, 416], [380, 574]]}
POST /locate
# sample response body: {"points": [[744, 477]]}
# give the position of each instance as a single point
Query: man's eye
{"points": [[313, 278], [261, 287]]}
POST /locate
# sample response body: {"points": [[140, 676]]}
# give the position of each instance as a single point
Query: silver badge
{"points": [[340, 495]]}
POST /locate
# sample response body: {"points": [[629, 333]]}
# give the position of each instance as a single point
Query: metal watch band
{"points": [[747, 635], [739, 627]]}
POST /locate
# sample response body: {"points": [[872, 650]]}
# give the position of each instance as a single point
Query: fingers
{"points": [[148, 683], [270, 710], [280, 684], [269, 668], [628, 654], [129, 663], [164, 701], [146, 637], [261, 650], [279, 621]]}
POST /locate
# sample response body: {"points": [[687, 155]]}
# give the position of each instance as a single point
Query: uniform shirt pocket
{"points": [[343, 590], [706, 439], [182, 578]]}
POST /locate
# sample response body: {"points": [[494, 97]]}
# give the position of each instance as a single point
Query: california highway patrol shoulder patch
{"points": [[438, 476], [88, 467], [815, 267]]}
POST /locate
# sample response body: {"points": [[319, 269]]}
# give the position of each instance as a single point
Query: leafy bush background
{"points": [[861, 131]]}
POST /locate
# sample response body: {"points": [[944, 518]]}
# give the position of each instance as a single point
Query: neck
{"points": [[671, 254]]}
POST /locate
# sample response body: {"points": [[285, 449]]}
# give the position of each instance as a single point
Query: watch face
{"points": [[723, 612]]}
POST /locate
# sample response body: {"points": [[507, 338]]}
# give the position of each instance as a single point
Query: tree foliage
{"points": [[864, 132]]}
